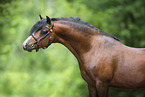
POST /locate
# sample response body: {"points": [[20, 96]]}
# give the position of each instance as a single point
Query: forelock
{"points": [[39, 25]]}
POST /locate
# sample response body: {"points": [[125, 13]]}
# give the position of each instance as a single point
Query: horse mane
{"points": [[39, 25], [78, 20], [42, 23]]}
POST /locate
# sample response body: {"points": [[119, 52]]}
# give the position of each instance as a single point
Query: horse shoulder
{"points": [[101, 59]]}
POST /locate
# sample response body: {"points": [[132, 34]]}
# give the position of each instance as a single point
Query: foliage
{"points": [[43, 74], [123, 18]]}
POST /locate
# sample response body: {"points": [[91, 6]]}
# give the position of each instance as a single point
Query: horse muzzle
{"points": [[27, 48]]}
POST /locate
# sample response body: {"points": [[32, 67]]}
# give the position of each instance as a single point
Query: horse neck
{"points": [[76, 41]]}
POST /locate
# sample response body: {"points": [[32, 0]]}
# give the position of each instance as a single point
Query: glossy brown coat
{"points": [[104, 62]]}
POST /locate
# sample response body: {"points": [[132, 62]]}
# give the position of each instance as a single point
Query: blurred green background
{"points": [[54, 72]]}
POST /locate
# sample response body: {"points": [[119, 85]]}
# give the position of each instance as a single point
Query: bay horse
{"points": [[103, 60]]}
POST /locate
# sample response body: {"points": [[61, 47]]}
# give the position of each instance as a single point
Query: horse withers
{"points": [[103, 60]]}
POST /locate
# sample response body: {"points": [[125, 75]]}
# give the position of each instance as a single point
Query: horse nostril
{"points": [[24, 47]]}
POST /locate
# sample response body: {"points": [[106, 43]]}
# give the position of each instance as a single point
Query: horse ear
{"points": [[48, 20], [40, 17]]}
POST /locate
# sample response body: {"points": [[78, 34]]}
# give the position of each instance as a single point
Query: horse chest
{"points": [[88, 77], [100, 66]]}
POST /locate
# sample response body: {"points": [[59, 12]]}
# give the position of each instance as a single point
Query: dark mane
{"points": [[78, 20], [42, 23], [39, 25]]}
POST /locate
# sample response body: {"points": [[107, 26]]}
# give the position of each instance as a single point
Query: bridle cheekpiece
{"points": [[37, 41]]}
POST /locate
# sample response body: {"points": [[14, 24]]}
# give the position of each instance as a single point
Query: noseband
{"points": [[37, 41]]}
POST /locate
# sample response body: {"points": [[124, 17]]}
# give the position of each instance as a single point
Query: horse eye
{"points": [[43, 32]]}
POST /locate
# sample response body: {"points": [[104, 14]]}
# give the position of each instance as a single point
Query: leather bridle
{"points": [[37, 41]]}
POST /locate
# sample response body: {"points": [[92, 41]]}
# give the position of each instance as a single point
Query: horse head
{"points": [[41, 35]]}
